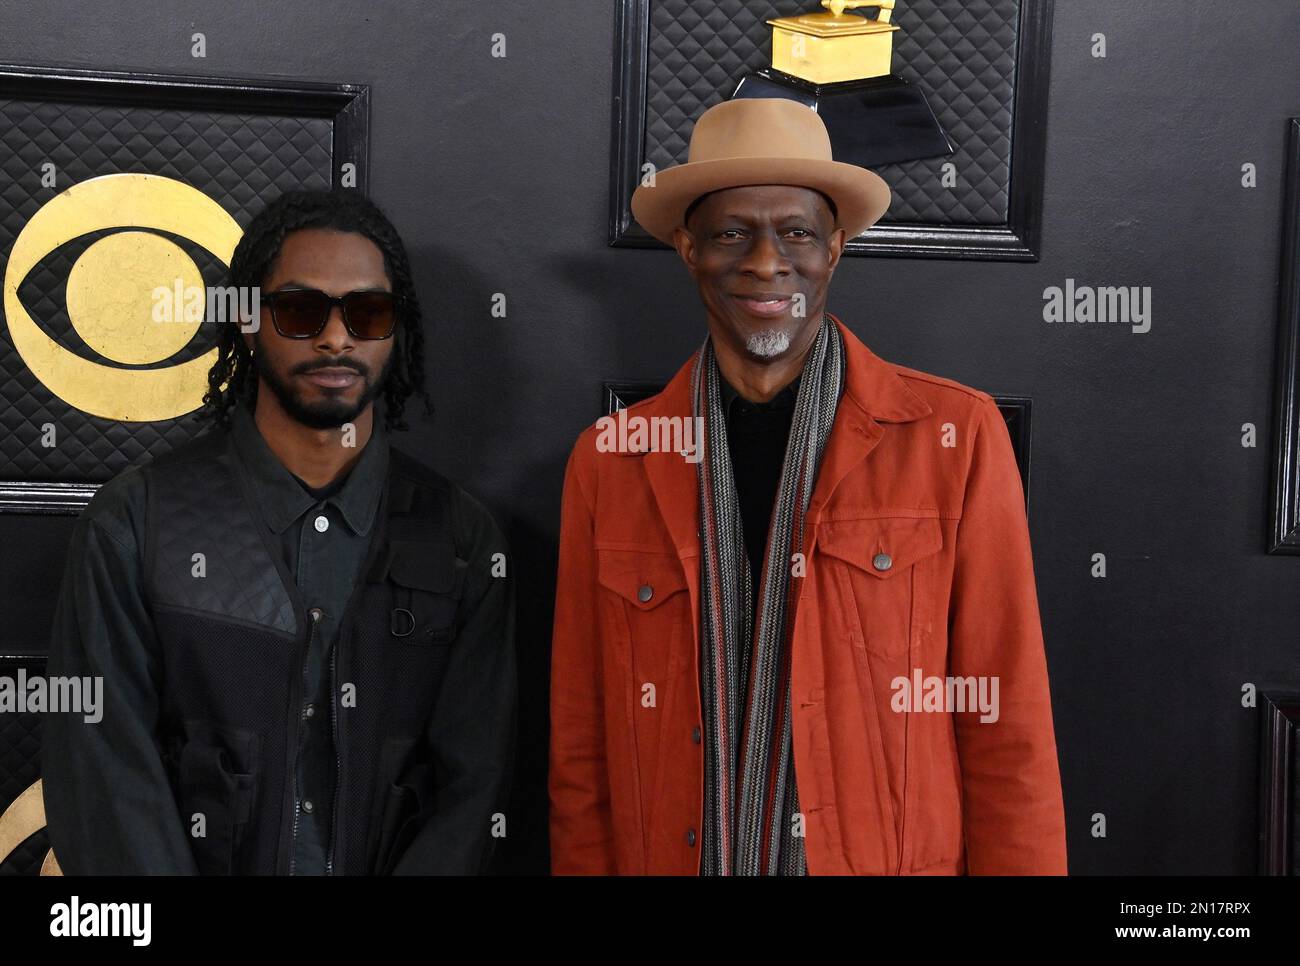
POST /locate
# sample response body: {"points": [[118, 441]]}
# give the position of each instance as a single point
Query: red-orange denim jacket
{"points": [[918, 469]]}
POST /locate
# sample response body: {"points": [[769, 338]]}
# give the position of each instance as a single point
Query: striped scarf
{"points": [[750, 798]]}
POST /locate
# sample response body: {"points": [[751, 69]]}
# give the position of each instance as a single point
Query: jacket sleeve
{"points": [[472, 728], [1013, 816], [582, 834], [108, 803]]}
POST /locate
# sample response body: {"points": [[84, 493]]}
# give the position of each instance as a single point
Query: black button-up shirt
{"points": [[323, 536], [757, 434]]}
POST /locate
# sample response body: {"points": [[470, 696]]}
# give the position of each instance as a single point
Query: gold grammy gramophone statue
{"points": [[827, 48], [839, 64]]}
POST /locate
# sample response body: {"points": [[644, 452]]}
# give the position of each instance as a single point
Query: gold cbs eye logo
{"points": [[110, 297]]}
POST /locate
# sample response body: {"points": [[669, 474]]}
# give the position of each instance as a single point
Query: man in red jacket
{"points": [[796, 626]]}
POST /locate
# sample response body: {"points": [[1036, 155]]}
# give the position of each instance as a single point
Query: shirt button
{"points": [[316, 614], [322, 524], [882, 561], [309, 711], [695, 734], [645, 593], [307, 806], [690, 837]]}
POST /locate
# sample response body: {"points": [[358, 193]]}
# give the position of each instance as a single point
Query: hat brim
{"points": [[861, 196]]}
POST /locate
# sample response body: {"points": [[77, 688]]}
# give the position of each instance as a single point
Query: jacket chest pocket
{"points": [[406, 630], [426, 581], [644, 593], [882, 569]]}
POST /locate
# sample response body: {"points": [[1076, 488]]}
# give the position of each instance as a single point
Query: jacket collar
{"points": [[874, 393], [871, 386], [282, 499]]}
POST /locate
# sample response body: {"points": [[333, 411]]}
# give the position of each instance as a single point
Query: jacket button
{"points": [[645, 593], [322, 524], [695, 734], [882, 561], [315, 614], [309, 711], [690, 837], [307, 806]]}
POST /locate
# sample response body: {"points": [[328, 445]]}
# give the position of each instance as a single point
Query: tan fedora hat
{"points": [[760, 140]]}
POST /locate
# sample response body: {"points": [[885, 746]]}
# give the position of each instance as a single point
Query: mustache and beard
{"points": [[332, 411]]}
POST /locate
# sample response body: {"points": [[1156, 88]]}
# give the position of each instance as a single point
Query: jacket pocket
{"points": [[217, 771], [649, 604], [405, 802], [426, 596], [645, 604], [882, 568]]}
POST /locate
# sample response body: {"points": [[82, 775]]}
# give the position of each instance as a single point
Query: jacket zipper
{"points": [[296, 709], [338, 763]]}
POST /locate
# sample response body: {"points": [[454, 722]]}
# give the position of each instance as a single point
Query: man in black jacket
{"points": [[305, 636]]}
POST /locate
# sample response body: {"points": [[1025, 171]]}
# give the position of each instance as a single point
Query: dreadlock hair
{"points": [[253, 262]]}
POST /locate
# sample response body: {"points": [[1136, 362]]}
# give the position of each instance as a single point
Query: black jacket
{"points": [[192, 768]]}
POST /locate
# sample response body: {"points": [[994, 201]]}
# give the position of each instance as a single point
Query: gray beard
{"points": [[768, 345]]}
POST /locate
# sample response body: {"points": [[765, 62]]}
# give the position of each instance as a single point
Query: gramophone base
{"points": [[880, 120]]}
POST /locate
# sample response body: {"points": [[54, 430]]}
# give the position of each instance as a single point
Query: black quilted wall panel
{"points": [[961, 53], [20, 745]]}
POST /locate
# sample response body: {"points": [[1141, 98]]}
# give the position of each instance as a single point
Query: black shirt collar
{"points": [[734, 404], [281, 496]]}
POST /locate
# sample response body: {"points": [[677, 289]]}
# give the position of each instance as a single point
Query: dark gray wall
{"points": [[497, 173]]}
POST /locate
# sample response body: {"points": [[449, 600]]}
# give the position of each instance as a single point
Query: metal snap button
{"points": [[695, 734], [322, 523], [882, 561], [308, 807], [645, 593], [690, 837], [316, 614]]}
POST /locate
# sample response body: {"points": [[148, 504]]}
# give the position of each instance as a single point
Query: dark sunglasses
{"points": [[301, 313]]}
